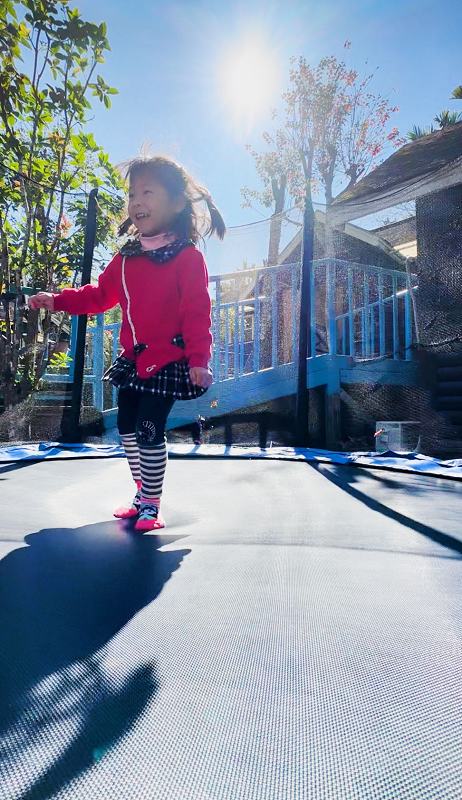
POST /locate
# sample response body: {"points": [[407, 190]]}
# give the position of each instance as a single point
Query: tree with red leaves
{"points": [[335, 130]]}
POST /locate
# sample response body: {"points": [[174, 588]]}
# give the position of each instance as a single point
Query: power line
{"points": [[46, 186], [50, 187], [282, 214]]}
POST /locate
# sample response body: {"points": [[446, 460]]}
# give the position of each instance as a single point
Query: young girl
{"points": [[160, 279]]}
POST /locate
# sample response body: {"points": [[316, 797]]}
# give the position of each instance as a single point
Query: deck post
{"points": [[331, 320], [381, 317], [366, 316], [351, 319], [294, 320], [274, 320], [332, 405], [217, 332], [407, 323], [236, 340], [395, 319], [312, 326], [242, 339], [256, 326], [226, 364]]}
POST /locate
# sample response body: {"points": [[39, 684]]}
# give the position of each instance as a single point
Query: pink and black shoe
{"points": [[127, 512], [149, 518]]}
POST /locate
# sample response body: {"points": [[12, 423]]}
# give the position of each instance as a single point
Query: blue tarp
{"points": [[410, 462]]}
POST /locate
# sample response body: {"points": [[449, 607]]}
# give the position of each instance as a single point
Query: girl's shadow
{"points": [[62, 599]]}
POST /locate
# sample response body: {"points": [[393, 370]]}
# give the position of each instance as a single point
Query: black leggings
{"points": [[145, 414]]}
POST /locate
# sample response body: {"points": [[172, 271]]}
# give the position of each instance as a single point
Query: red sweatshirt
{"points": [[165, 300]]}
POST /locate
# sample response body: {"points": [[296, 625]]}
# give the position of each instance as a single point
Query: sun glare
{"points": [[249, 82]]}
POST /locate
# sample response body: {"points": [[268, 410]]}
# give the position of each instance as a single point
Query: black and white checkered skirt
{"points": [[171, 381]]}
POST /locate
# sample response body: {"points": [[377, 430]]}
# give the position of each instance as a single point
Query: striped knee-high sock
{"points": [[153, 462], [132, 452]]}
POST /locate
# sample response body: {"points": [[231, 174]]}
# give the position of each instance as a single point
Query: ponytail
{"points": [[217, 225]]}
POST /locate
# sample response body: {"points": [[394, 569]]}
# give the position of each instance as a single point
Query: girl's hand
{"points": [[201, 377], [42, 300]]}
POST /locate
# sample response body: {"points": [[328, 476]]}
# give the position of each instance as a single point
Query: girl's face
{"points": [[150, 206]]}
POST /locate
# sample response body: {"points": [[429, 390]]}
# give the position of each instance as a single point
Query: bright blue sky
{"points": [[167, 63]]}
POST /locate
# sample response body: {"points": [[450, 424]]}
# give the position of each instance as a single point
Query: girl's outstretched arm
{"points": [[89, 299]]}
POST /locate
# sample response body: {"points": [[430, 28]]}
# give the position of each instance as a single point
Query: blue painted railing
{"points": [[356, 310], [368, 310]]}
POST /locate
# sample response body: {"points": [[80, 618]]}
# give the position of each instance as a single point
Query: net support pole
{"points": [[71, 420], [305, 323]]}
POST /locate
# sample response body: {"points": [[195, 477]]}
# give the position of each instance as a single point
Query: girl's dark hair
{"points": [[178, 184]]}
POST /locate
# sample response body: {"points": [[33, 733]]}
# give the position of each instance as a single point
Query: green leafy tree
{"points": [[49, 58]]}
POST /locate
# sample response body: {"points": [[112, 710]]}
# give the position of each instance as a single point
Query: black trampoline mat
{"points": [[294, 633]]}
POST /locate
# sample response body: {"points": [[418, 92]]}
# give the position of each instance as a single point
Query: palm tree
{"points": [[417, 132], [457, 93], [444, 119]]}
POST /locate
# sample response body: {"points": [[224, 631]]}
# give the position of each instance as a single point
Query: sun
{"points": [[249, 82]]}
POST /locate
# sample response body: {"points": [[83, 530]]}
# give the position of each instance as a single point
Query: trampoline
{"points": [[295, 632]]}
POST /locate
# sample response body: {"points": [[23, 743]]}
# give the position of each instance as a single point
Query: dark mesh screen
{"points": [[384, 345]]}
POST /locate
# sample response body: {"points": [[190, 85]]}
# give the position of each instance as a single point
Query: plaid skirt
{"points": [[171, 381]]}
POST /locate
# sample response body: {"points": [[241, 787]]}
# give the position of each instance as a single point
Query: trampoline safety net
{"points": [[383, 321]]}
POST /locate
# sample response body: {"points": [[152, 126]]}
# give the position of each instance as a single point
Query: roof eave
{"points": [[355, 231], [449, 175]]}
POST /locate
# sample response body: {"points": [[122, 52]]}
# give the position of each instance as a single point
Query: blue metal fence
{"points": [[357, 310]]}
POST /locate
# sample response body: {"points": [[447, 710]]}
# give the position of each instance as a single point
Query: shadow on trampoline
{"points": [[107, 716], [13, 467], [395, 481], [344, 478], [62, 599], [419, 484]]}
